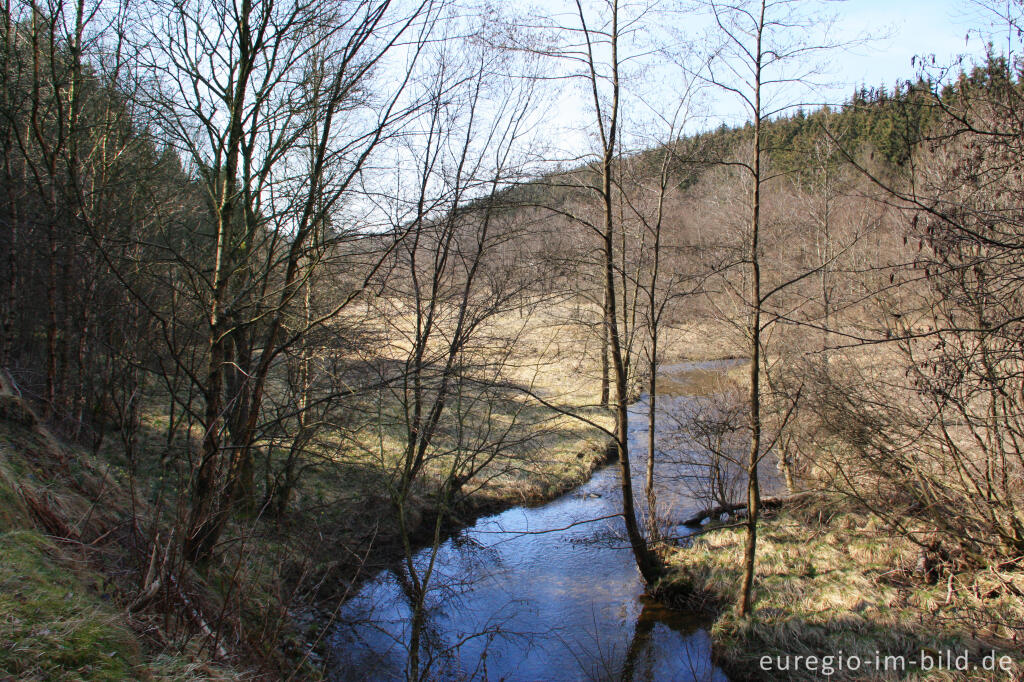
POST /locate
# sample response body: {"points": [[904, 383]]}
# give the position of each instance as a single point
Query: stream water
{"points": [[517, 600]]}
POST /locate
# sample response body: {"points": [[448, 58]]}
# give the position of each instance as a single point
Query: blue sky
{"points": [[914, 27], [889, 34], [897, 31]]}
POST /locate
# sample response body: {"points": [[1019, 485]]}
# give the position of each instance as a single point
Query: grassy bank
{"points": [[65, 569], [833, 582], [70, 570]]}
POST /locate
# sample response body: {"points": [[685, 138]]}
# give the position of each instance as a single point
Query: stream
{"points": [[514, 602]]}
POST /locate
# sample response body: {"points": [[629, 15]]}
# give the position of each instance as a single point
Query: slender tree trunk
{"points": [[649, 567], [81, 356], [52, 246], [653, 322], [648, 564], [605, 373], [652, 399], [284, 491], [12, 259], [209, 508], [208, 512], [52, 325], [199, 542], [12, 285], [753, 483]]}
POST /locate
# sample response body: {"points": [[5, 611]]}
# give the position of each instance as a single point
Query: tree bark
{"points": [[754, 457], [605, 374]]}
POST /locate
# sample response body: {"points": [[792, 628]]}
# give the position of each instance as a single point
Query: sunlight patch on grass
{"points": [[842, 586]]}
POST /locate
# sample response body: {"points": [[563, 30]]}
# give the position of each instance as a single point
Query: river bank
{"points": [[560, 366], [832, 582]]}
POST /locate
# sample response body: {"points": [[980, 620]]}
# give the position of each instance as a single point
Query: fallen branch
{"points": [[44, 515], [766, 503], [197, 617]]}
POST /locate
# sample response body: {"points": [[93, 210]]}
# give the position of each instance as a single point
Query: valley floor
{"points": [[70, 579]]}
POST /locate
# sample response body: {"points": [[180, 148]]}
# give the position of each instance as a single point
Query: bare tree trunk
{"points": [[647, 562], [652, 406], [200, 541], [8, 142], [206, 520], [753, 482], [12, 290], [12, 273], [605, 375], [52, 248], [654, 312], [649, 567]]}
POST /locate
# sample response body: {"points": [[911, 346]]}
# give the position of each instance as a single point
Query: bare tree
{"points": [[270, 105], [649, 201], [595, 47], [444, 420], [936, 434], [762, 55], [710, 433]]}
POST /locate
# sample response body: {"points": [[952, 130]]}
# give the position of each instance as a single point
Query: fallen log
{"points": [[766, 503]]}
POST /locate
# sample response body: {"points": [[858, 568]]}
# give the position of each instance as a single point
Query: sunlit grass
{"points": [[846, 584]]}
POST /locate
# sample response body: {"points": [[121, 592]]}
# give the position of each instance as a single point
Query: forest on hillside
{"points": [[296, 291]]}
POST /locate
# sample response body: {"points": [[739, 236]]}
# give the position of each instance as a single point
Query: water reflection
{"points": [[511, 603], [653, 637]]}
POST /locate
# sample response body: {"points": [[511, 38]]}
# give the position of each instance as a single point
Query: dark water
{"points": [[513, 602]]}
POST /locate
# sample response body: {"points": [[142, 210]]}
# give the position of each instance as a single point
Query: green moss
{"points": [[51, 624], [12, 512]]}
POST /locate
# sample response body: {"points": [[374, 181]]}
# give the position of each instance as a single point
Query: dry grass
{"points": [[703, 339], [546, 355], [539, 357], [846, 585]]}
